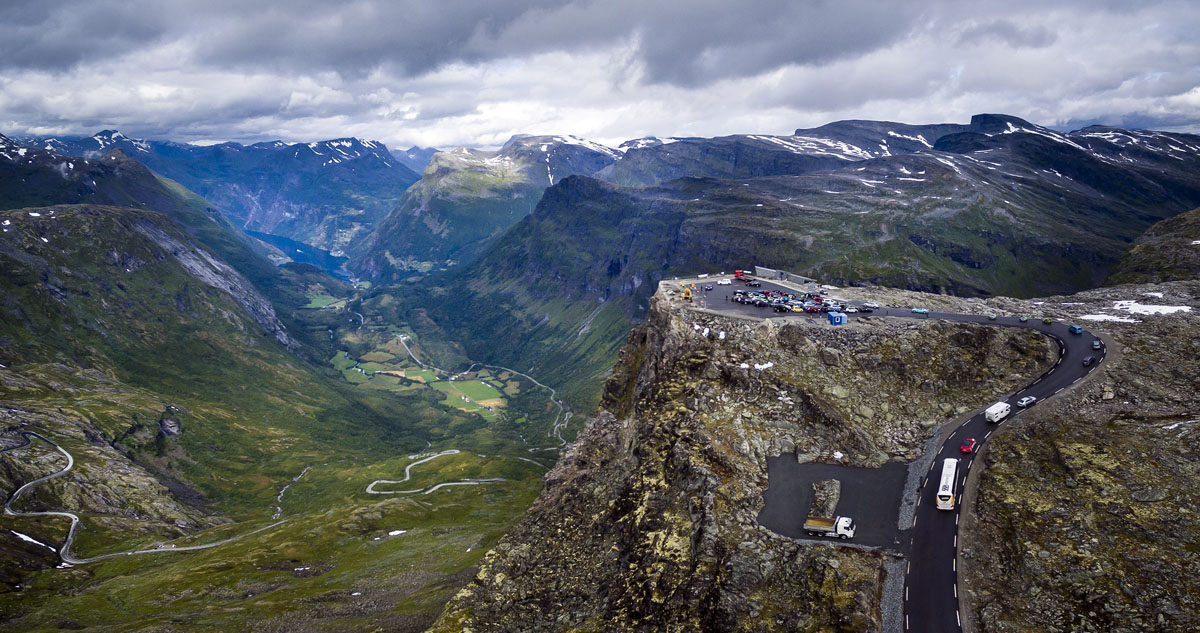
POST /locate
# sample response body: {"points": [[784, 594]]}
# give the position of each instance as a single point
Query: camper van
{"points": [[997, 412]]}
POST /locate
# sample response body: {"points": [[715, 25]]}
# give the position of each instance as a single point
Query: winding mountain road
{"points": [[64, 551], [424, 491], [931, 603]]}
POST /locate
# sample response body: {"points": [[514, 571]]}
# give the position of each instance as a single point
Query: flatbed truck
{"points": [[834, 527]]}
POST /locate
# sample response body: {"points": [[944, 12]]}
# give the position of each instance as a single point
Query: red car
{"points": [[968, 445]]}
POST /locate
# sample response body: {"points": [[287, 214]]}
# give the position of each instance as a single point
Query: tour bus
{"points": [[945, 495]]}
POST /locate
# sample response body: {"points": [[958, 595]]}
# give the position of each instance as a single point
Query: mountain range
{"points": [[196, 383], [325, 194], [466, 199], [997, 207]]}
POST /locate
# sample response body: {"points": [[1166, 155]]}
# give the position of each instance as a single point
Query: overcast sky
{"points": [[456, 72]]}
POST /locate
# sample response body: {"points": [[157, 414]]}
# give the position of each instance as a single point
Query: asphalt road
{"points": [[64, 551], [931, 575]]}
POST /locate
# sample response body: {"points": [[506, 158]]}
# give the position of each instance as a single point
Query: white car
{"points": [[724, 282], [871, 305], [1026, 401]]}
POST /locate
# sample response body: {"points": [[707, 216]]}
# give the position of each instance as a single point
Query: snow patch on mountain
{"points": [[918, 138], [817, 146]]}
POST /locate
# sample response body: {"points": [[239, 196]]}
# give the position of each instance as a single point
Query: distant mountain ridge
{"points": [[467, 198], [324, 193], [999, 207], [415, 158]]}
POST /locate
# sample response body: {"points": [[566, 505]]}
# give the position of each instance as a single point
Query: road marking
{"points": [[1059, 361], [954, 565], [956, 537], [956, 522], [906, 593], [958, 618], [908, 569], [1056, 392], [905, 621], [955, 590], [918, 501], [1037, 381], [987, 435]]}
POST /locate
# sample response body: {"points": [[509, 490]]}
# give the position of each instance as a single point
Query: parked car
{"points": [[1095, 343], [850, 310], [754, 283], [724, 282], [781, 307], [920, 310], [1089, 361], [968, 445], [1026, 401]]}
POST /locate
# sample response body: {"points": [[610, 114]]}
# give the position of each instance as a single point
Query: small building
{"points": [[837, 318]]}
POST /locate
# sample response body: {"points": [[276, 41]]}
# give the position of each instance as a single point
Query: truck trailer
{"points": [[839, 527]]}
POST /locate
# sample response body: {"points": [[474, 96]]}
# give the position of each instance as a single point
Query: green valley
{"points": [[142, 355]]}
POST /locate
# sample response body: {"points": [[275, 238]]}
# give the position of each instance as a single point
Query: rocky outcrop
{"points": [[648, 521]]}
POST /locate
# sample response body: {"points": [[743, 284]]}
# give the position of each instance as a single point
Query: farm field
{"points": [[387, 365]]}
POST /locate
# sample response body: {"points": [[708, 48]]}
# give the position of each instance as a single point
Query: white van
{"points": [[997, 412]]}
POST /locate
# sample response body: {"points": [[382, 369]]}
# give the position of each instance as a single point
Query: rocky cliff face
{"points": [[216, 273], [1089, 508], [648, 522]]}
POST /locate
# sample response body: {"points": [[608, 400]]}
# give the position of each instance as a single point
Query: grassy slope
{"points": [[254, 417]]}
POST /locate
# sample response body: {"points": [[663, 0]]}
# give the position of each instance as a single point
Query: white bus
{"points": [[945, 495]]}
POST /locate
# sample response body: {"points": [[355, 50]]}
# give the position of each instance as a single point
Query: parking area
{"points": [[766, 299]]}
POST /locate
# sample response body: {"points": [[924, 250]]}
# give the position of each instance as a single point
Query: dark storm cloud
{"points": [[712, 42], [682, 43], [354, 38], [473, 72], [57, 34]]}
